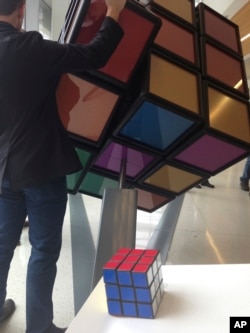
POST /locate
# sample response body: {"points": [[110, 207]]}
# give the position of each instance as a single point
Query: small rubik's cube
{"points": [[133, 283]]}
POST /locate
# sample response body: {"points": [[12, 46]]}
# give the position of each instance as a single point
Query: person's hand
{"points": [[114, 8]]}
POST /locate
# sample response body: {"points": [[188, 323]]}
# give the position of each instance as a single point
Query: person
{"points": [[36, 153], [205, 183], [244, 179]]}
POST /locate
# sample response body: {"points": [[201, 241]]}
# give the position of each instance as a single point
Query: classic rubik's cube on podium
{"points": [[133, 283]]}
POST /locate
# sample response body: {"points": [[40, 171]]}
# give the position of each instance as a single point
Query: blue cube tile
{"points": [[112, 291], [109, 276], [124, 274], [109, 272], [124, 278], [129, 309], [142, 275], [114, 308], [145, 295], [140, 280], [147, 310], [127, 294]]}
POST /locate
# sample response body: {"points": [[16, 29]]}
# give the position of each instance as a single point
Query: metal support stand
{"points": [[118, 223], [83, 250]]}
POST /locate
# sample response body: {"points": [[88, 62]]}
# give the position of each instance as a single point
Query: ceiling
{"points": [[237, 11]]}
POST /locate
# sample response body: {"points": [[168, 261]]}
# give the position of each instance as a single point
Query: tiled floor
{"points": [[213, 227]]}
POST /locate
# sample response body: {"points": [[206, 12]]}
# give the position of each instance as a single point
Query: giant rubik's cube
{"points": [[133, 283], [172, 104]]}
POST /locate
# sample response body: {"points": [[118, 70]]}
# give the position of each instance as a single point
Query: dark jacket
{"points": [[34, 146]]}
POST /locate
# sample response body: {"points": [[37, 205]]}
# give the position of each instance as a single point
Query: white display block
{"points": [[197, 298]]}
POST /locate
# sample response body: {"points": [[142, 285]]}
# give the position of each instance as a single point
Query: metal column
{"points": [[117, 228]]}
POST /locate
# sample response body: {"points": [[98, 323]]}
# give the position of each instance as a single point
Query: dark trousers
{"points": [[246, 171], [45, 207]]}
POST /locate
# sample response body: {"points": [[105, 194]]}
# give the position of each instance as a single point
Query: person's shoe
{"points": [[198, 186], [206, 183], [244, 186], [7, 310]]}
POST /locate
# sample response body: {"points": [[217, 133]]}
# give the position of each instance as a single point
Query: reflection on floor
{"points": [[213, 228]]}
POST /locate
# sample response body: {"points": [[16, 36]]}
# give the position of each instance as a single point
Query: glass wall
{"points": [[46, 16], [45, 19]]}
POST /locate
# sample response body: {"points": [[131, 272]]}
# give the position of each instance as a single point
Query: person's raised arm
{"points": [[114, 7]]}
